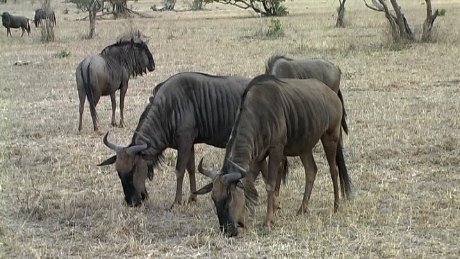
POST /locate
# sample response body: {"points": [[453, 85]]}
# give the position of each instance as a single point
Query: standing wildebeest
{"points": [[323, 70], [41, 14], [105, 73], [187, 108], [277, 118], [13, 21]]}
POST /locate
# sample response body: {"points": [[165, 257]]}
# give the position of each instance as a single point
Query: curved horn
{"points": [[241, 169], [112, 146], [209, 173], [227, 179], [136, 149]]}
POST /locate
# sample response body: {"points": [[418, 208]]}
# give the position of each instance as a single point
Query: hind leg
{"points": [[330, 142], [82, 97], [311, 169], [94, 116]]}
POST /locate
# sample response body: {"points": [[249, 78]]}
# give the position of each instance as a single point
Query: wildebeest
{"points": [[41, 14], [277, 118], [187, 108], [12, 21], [321, 69], [105, 73]]}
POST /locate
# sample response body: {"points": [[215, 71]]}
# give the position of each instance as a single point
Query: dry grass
{"points": [[402, 152]]}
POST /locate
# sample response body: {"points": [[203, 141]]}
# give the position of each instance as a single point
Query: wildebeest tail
{"points": [[88, 90], [345, 181], [285, 168], [344, 113]]}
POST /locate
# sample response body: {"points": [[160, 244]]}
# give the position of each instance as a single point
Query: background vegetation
{"points": [[402, 152]]}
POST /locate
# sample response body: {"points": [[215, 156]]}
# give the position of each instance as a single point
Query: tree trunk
{"points": [[341, 14], [429, 20], [47, 29], [92, 19]]}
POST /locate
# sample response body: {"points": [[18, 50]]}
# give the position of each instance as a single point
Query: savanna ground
{"points": [[402, 151]]}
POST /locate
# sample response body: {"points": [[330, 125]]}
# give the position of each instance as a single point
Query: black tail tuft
{"points": [[345, 181], [285, 168], [89, 90], [344, 114]]}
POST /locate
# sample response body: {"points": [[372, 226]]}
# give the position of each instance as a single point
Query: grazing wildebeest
{"points": [[323, 70], [41, 14], [277, 118], [187, 108], [105, 73], [12, 21]]}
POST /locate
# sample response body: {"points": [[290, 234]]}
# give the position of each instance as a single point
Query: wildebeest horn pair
{"points": [[227, 178], [130, 150]]}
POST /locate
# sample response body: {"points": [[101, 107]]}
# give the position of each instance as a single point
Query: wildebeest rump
{"points": [[12, 21], [321, 69], [277, 118], [41, 14], [187, 108], [105, 73]]}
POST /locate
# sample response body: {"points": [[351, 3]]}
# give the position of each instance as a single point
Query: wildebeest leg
{"points": [[122, 104], [23, 30], [310, 168], [8, 32], [274, 161], [114, 108], [183, 155], [94, 116], [330, 143], [191, 175], [82, 97]]}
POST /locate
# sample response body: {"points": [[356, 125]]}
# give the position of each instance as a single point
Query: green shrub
{"points": [[275, 29], [442, 12], [62, 54]]}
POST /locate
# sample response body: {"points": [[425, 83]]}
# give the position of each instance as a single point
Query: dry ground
{"points": [[402, 151]]}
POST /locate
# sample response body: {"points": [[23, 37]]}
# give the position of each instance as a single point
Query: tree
{"points": [[264, 7], [400, 29], [48, 25], [340, 14], [92, 7]]}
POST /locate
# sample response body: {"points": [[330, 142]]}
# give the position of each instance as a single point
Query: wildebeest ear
{"points": [[205, 189], [109, 161]]}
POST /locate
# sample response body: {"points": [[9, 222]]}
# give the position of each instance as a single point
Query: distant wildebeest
{"points": [[41, 14], [187, 108], [16, 22], [323, 70], [105, 73], [277, 118]]}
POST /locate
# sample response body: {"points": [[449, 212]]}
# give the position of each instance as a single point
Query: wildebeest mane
{"points": [[255, 81], [272, 60], [155, 157], [123, 51]]}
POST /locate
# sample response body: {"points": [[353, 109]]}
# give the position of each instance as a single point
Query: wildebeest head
{"points": [[143, 54], [6, 19], [231, 196], [132, 169]]}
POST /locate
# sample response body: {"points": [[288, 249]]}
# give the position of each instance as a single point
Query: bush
{"points": [[442, 12], [62, 54], [275, 29]]}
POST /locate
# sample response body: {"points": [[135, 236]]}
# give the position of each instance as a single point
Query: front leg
{"points": [[183, 156], [114, 107], [274, 161], [191, 175], [123, 91]]}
